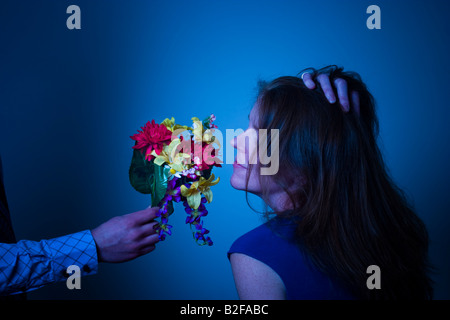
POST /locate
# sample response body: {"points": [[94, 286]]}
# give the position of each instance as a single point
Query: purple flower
{"points": [[162, 210], [165, 226], [200, 229], [162, 236], [175, 194], [202, 210], [163, 229], [193, 215], [171, 184]]}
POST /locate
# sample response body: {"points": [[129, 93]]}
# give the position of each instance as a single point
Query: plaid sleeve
{"points": [[28, 265]]}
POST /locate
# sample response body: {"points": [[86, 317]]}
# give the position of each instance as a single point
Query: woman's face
{"points": [[246, 153]]}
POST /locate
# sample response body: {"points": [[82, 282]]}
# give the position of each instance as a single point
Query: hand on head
{"points": [[341, 88]]}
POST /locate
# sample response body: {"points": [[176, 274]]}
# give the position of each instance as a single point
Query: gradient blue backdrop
{"points": [[70, 99]]}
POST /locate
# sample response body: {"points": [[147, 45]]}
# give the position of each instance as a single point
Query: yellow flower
{"points": [[170, 125], [202, 186], [200, 134], [176, 160]]}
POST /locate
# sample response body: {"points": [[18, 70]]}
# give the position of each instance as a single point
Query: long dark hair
{"points": [[349, 212]]}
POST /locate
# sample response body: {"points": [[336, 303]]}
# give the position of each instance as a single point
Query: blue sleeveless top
{"points": [[273, 244]]}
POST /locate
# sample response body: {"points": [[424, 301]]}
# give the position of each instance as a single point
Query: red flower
{"points": [[152, 137], [207, 154]]}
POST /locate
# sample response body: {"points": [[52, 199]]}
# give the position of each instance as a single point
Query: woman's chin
{"points": [[236, 183]]}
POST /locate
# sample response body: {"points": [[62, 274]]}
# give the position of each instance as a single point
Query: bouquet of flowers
{"points": [[174, 163]]}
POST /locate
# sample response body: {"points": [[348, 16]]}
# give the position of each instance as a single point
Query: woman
{"points": [[336, 211]]}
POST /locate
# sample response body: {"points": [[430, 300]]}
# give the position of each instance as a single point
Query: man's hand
{"points": [[126, 237]]}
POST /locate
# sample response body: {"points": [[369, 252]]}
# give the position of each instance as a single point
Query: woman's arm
{"points": [[255, 280]]}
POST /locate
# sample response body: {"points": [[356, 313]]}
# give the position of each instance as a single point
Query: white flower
{"points": [[188, 171], [172, 173]]}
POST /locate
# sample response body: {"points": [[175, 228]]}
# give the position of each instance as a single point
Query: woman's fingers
{"points": [[355, 101], [308, 81], [341, 86], [326, 87]]}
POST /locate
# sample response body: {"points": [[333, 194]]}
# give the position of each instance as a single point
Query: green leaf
{"points": [[148, 178], [140, 173], [159, 183], [205, 123]]}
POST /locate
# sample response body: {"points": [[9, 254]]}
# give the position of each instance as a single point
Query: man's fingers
{"points": [[355, 101], [326, 87], [148, 229], [147, 249], [145, 216], [150, 240], [341, 86], [308, 81]]}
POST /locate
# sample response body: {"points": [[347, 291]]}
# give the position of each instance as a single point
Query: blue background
{"points": [[70, 99]]}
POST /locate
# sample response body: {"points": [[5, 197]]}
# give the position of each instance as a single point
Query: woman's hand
{"points": [[341, 86]]}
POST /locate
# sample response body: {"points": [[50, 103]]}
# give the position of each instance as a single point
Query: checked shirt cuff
{"points": [[75, 249], [28, 265]]}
